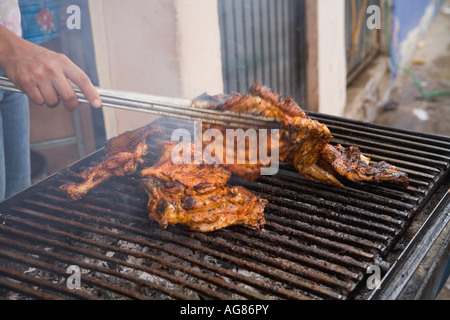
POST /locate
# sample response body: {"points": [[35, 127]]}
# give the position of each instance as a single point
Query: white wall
{"points": [[199, 52], [327, 74], [161, 47], [172, 48]]}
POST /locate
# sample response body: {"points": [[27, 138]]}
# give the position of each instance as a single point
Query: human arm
{"points": [[43, 75]]}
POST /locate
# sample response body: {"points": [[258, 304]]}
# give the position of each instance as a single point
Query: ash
{"points": [[163, 265]]}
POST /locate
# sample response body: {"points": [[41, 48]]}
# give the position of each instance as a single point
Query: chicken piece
{"points": [[124, 154], [350, 163], [196, 195], [303, 142], [301, 139]]}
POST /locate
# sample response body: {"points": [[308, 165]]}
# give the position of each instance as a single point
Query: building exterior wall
{"points": [[167, 48], [409, 23], [198, 42], [327, 81]]}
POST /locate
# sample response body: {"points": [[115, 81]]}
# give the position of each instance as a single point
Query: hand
{"points": [[44, 75]]}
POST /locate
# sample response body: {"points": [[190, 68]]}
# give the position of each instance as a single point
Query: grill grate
{"points": [[317, 244]]}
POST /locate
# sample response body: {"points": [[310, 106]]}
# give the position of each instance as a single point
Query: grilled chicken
{"points": [[303, 142], [196, 195], [350, 163], [124, 154]]}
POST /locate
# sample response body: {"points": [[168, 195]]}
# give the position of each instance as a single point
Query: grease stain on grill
{"points": [[317, 243]]}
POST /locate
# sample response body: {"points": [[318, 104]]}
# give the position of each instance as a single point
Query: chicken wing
{"points": [[124, 154], [350, 163], [303, 142]]}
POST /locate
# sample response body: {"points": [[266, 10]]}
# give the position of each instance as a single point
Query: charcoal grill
{"points": [[318, 243]]}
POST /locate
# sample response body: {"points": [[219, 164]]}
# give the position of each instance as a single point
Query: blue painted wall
{"points": [[407, 14]]}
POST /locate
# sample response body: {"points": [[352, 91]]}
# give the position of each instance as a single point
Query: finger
{"points": [[49, 94], [34, 95], [78, 77], [66, 92], [28, 87]]}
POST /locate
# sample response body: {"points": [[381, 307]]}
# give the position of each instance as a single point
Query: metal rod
{"points": [[165, 106]]}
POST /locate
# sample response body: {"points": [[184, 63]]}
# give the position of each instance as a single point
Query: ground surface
{"points": [[407, 109]]}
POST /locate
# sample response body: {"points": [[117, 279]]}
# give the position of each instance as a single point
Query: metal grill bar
{"points": [[417, 142], [78, 213], [21, 288], [141, 220], [128, 252], [97, 231], [40, 283], [27, 290], [265, 269], [46, 266], [95, 255]]}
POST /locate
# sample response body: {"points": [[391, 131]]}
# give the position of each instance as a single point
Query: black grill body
{"points": [[319, 241]]}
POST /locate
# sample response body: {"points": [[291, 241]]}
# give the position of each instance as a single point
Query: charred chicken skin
{"points": [[196, 195], [304, 143], [350, 163], [124, 154]]}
